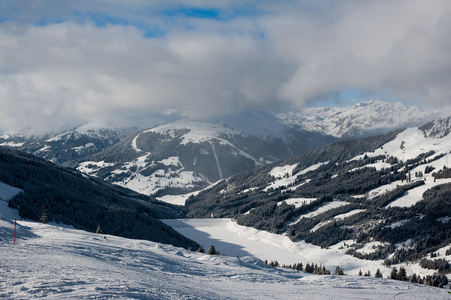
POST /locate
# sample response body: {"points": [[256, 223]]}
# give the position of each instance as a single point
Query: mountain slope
{"points": [[358, 120], [388, 190], [272, 129], [60, 195], [80, 142], [181, 156], [55, 262]]}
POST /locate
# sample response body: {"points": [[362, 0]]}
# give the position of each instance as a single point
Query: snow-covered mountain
{"points": [[80, 142], [66, 145], [52, 261], [358, 120], [383, 198], [182, 156]]}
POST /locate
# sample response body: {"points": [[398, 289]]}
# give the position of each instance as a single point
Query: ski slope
{"points": [[50, 261]]}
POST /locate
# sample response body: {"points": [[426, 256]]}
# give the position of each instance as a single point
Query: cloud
{"points": [[400, 47], [80, 61], [75, 71]]}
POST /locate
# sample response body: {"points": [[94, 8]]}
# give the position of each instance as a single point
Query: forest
{"points": [[55, 194]]}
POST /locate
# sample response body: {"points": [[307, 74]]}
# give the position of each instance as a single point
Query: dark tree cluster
{"points": [[443, 173], [436, 264], [55, 194], [435, 280]]}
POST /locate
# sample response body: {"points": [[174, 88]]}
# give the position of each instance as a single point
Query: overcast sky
{"points": [[72, 61]]}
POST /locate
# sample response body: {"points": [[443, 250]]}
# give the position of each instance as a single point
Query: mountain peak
{"points": [[357, 120]]}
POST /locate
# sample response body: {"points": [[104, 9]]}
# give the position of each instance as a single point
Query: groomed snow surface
{"points": [[50, 261], [54, 262]]}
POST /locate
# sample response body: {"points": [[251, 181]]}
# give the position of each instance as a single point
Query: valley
{"points": [[366, 204]]}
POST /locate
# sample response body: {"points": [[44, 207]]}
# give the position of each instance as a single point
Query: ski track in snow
{"points": [[52, 261], [134, 146], [56, 262], [217, 161]]}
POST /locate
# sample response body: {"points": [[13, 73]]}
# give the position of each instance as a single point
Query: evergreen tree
{"points": [[44, 216], [394, 273], [378, 273], [212, 250], [402, 275], [338, 271], [201, 249], [308, 268]]}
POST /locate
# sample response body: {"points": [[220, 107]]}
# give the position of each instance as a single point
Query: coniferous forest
{"points": [[64, 196]]}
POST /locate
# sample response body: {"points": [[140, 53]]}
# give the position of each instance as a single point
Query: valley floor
{"points": [[235, 240]]}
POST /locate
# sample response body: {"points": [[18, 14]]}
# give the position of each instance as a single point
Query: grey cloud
{"points": [[74, 71], [294, 53], [396, 46]]}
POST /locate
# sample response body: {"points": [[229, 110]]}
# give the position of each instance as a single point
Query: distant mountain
{"points": [[65, 144], [272, 129], [68, 144], [358, 120], [64, 196], [80, 142], [182, 156], [383, 198]]}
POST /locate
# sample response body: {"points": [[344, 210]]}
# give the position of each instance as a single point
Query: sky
{"points": [[64, 62]]}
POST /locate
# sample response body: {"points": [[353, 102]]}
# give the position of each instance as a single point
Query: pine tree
{"points": [[402, 275], [201, 249], [394, 273], [338, 271], [378, 273], [212, 250], [44, 217]]}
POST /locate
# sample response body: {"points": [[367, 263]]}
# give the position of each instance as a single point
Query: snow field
{"points": [[56, 262], [298, 202], [284, 176], [198, 131], [232, 239], [50, 261]]}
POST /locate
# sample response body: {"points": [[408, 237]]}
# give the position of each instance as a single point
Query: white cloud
{"points": [[396, 46], [287, 52]]}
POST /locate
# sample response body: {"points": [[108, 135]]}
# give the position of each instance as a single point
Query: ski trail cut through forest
{"points": [[217, 161]]}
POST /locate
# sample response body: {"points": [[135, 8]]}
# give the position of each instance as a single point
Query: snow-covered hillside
{"points": [[50, 261], [381, 200], [360, 119], [232, 239], [181, 156], [80, 142]]}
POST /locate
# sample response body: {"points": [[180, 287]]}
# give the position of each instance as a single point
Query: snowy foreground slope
{"points": [[55, 262]]}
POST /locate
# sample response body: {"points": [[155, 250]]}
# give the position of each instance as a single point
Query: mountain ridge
{"points": [[389, 189], [360, 119]]}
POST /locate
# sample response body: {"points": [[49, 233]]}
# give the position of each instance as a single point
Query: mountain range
{"points": [[381, 198], [360, 119], [180, 155], [188, 155]]}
